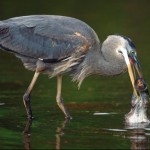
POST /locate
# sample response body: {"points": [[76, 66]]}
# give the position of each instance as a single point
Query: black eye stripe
{"points": [[130, 42]]}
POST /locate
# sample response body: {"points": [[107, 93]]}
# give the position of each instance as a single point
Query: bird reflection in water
{"points": [[26, 132], [59, 134], [138, 136]]}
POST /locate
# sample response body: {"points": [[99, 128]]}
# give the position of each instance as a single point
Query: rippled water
{"points": [[98, 108], [86, 130]]}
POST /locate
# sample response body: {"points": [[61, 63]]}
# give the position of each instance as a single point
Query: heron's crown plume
{"points": [[120, 41]]}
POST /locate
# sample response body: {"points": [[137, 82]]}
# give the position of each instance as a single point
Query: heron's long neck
{"points": [[107, 64], [94, 63], [100, 65], [99, 62]]}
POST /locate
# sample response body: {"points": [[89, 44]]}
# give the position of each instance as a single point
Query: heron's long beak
{"points": [[132, 62], [135, 62]]}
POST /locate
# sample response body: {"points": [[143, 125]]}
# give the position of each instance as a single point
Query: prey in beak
{"points": [[133, 66], [138, 112], [140, 98]]}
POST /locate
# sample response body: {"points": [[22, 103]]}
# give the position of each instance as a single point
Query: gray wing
{"points": [[52, 37]]}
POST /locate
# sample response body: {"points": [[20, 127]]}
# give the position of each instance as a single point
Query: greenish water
{"points": [[108, 96]]}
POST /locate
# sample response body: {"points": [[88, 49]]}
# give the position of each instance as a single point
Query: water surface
{"points": [[98, 108]]}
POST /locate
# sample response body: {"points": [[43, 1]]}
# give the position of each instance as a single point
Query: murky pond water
{"points": [[98, 108]]}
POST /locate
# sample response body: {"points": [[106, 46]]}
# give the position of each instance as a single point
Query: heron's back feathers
{"points": [[61, 41]]}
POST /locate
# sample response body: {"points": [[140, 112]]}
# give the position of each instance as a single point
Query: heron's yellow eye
{"points": [[133, 52], [119, 51]]}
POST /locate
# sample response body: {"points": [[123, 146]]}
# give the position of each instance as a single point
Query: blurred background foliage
{"points": [[129, 17]]}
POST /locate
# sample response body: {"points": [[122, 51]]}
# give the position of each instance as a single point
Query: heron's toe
{"points": [[68, 117], [30, 118]]}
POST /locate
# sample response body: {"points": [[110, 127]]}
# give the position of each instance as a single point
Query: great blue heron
{"points": [[55, 45]]}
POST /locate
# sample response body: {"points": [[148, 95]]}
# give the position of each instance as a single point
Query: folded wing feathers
{"points": [[66, 64]]}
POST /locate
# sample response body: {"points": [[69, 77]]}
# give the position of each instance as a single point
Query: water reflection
{"points": [[137, 136], [27, 142], [136, 133], [138, 139], [26, 132], [27, 127], [59, 134]]}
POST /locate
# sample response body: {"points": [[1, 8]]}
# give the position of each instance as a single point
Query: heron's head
{"points": [[122, 53]]}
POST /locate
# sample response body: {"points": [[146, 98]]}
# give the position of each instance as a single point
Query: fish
{"points": [[139, 106]]}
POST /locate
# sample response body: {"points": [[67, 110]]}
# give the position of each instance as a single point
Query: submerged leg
{"points": [[26, 97], [59, 99]]}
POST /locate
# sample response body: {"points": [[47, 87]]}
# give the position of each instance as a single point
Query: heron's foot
{"points": [[26, 100], [60, 103], [68, 117], [30, 117]]}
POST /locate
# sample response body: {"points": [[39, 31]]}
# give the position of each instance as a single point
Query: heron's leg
{"points": [[59, 99], [26, 97]]}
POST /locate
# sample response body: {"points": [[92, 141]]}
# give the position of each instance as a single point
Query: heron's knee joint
{"points": [[59, 100], [26, 97]]}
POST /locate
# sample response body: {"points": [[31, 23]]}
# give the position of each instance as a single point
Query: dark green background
{"points": [[102, 94]]}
